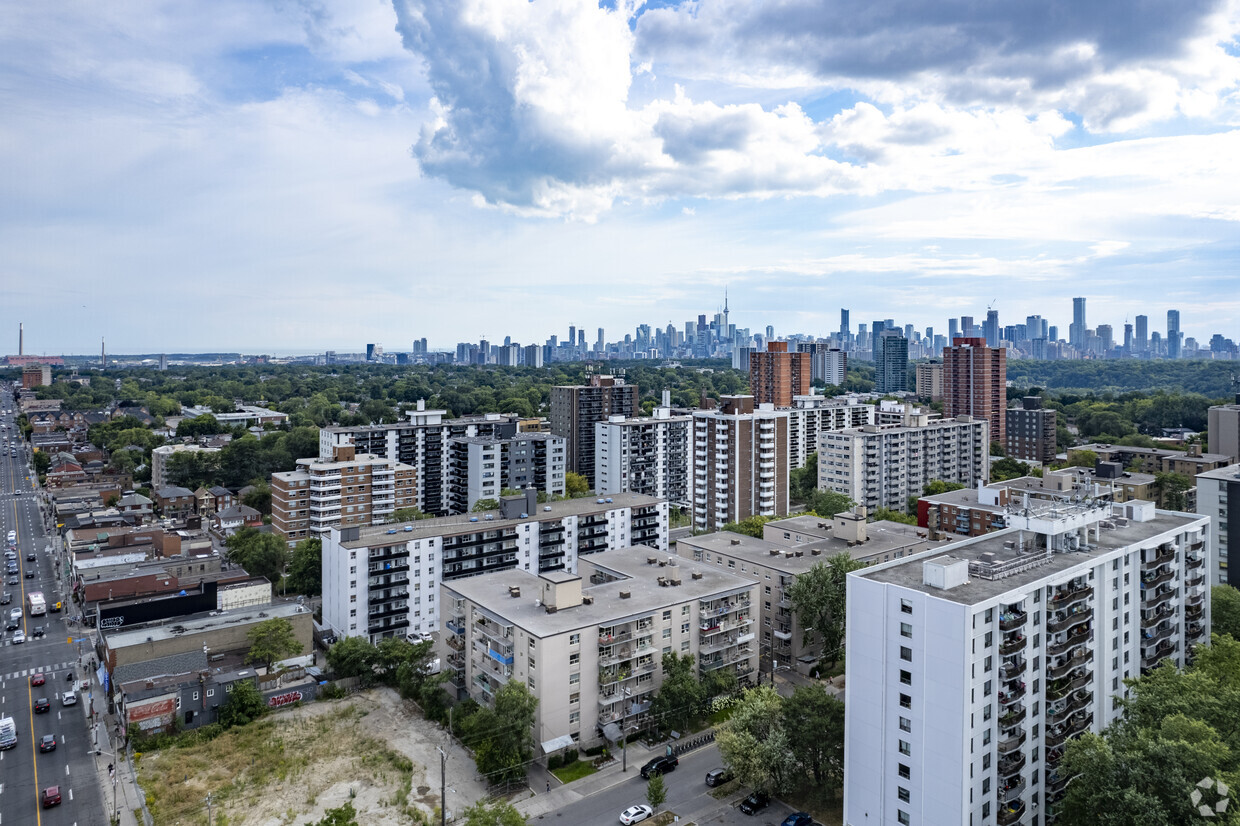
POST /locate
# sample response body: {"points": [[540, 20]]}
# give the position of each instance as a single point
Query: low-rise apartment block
{"points": [[883, 466], [348, 489], [787, 549], [382, 581], [971, 666], [589, 645], [645, 455]]}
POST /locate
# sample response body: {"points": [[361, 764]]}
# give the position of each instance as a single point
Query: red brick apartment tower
{"points": [[775, 376], [975, 383]]}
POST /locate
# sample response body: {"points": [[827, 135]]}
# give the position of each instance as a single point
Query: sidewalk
{"points": [[560, 796], [118, 792]]}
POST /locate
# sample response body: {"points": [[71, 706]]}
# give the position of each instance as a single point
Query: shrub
{"points": [[554, 762], [570, 757]]}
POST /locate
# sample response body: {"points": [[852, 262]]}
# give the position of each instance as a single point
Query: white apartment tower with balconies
{"points": [[971, 665], [645, 455]]}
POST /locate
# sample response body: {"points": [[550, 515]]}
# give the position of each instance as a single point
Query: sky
{"points": [[291, 176]]}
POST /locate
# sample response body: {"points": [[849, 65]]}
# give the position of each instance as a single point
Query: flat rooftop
{"points": [[634, 575], [519, 436], [200, 623], [881, 537], [465, 522], [907, 573], [1225, 473]]}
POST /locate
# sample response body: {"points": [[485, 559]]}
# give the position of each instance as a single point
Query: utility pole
{"points": [[209, 821], [443, 787]]}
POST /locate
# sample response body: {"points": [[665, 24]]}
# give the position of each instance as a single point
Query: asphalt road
{"points": [[687, 795], [24, 770]]}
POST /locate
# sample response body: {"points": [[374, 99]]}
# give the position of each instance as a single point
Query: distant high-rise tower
{"points": [[975, 383], [370, 352], [163, 361], [1173, 334], [844, 331], [1076, 332], [953, 330], [21, 339], [103, 353], [1128, 339], [891, 362], [966, 326], [770, 332], [726, 328], [991, 328], [1143, 333], [776, 375]]}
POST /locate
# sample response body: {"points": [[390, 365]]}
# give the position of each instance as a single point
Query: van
{"points": [[8, 733]]}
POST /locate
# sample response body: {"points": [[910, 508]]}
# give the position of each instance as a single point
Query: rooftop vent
{"points": [[514, 591], [625, 594], [651, 560], [587, 600], [735, 542], [696, 574], [815, 551]]}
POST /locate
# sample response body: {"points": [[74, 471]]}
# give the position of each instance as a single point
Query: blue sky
{"points": [[298, 176]]}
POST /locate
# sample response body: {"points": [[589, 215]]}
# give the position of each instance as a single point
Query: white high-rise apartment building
{"points": [[811, 416], [644, 455], [881, 466], [1218, 497], [971, 665]]}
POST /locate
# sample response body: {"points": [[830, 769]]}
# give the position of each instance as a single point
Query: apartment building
{"points": [[975, 383], [348, 489], [890, 362], [647, 455], [930, 380], [422, 442], [481, 467], [589, 645], [740, 462], [972, 665], [882, 466], [1218, 497], [830, 365], [161, 455], [775, 375], [1224, 430], [1031, 433], [811, 415], [405, 563], [788, 548], [577, 408]]}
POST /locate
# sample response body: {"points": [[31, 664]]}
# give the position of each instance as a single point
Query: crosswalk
{"points": [[49, 670]]}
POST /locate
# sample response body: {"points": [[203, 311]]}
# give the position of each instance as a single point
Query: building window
{"points": [[904, 771], [906, 606], [906, 701], [906, 629], [905, 747], [906, 677], [902, 793], [574, 658], [574, 679], [574, 639], [667, 615], [906, 724], [906, 653], [684, 628]]}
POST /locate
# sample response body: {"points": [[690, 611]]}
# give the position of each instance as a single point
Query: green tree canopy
{"points": [[272, 640], [505, 743], [575, 485], [656, 791], [408, 515], [305, 569], [803, 480], [818, 600], [485, 505], [353, 657], [261, 554], [244, 705], [751, 526], [814, 721], [678, 702], [754, 743], [497, 813], [1225, 610], [827, 503]]}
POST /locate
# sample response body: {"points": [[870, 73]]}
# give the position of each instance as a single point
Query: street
{"points": [[25, 771]]}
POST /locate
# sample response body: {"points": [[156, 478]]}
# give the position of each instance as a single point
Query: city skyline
{"points": [[289, 178]]}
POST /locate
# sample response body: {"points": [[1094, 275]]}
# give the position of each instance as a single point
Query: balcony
{"points": [[1153, 637], [1012, 765], [1069, 665], [1011, 620], [1073, 704], [1011, 744], [1152, 581], [1069, 728], [1012, 717], [1194, 581], [1166, 556], [1194, 630], [1164, 649], [1011, 813], [1156, 616], [1066, 598], [1062, 688], [1192, 600], [1194, 562], [1014, 693], [1156, 599], [1076, 637], [1074, 617], [1194, 612], [1012, 670], [1014, 790], [1012, 645]]}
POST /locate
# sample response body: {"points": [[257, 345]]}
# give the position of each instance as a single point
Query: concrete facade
{"points": [[649, 456], [740, 463]]}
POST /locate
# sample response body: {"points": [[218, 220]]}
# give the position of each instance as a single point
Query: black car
{"points": [[6, 598], [42, 705], [660, 765], [717, 777], [37, 632], [30, 574], [48, 743], [756, 802], [30, 557]]}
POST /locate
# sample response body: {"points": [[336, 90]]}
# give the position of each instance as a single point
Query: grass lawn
{"points": [[575, 771], [721, 715]]}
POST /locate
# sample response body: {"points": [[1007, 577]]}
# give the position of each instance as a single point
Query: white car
{"points": [[19, 637], [68, 698], [636, 814]]}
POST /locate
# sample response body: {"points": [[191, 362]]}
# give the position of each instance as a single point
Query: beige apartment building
{"points": [[348, 489], [789, 548], [590, 645]]}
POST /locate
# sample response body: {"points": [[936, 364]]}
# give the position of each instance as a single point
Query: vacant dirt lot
{"points": [[371, 749]]}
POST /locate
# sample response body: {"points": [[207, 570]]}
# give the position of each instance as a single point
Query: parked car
{"points": [[717, 777], [660, 765], [48, 743], [798, 819], [635, 814], [756, 802]]}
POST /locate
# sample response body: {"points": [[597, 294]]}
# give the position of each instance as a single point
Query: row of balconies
{"points": [[1073, 617], [1069, 664]]}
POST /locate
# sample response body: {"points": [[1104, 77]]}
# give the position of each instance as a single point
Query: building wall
{"points": [[740, 463], [1031, 434], [1224, 430], [775, 375], [975, 383], [646, 456], [576, 409], [930, 380]]}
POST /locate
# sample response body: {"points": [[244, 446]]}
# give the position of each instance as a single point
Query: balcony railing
{"points": [[1074, 617], [1074, 662], [1011, 620], [1152, 582], [1193, 612], [1065, 598], [1013, 645], [1012, 670], [1157, 599], [1012, 765], [1195, 562], [1075, 703], [1164, 649], [1015, 790], [1069, 728], [1012, 717], [1011, 813], [1006, 698], [1011, 744], [1156, 636], [1156, 616], [1161, 559], [1076, 637], [1057, 690]]}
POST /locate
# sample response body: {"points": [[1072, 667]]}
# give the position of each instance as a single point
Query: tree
{"points": [[261, 554], [204, 425], [827, 503], [1082, 458], [408, 515], [751, 526], [244, 704], [996, 449], [1225, 610], [679, 700], [1007, 468], [575, 485], [340, 816], [305, 569], [936, 486], [353, 657], [803, 480], [888, 515], [259, 498], [1172, 488], [499, 813], [193, 469], [272, 640], [485, 505], [507, 743], [656, 791], [818, 600], [42, 462], [754, 744], [814, 721]]}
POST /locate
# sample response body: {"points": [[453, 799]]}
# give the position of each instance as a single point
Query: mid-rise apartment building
{"points": [[810, 416], [930, 380], [971, 666], [421, 442], [975, 383], [161, 455], [1224, 430], [589, 645], [882, 466], [348, 489], [482, 467], [1218, 497], [740, 462], [577, 408], [776, 375], [645, 455], [1031, 431], [789, 548], [383, 580]]}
